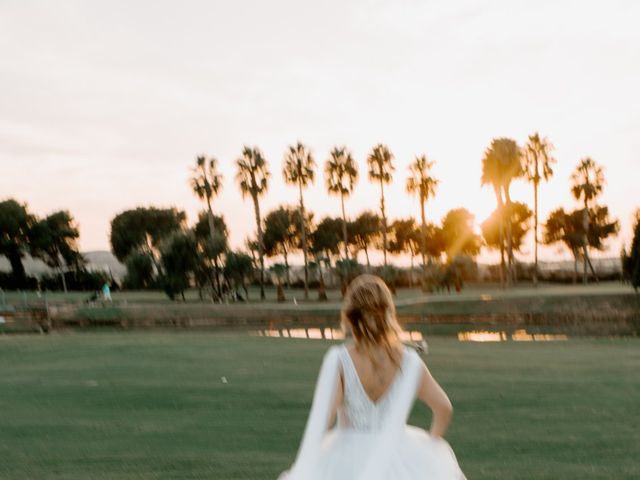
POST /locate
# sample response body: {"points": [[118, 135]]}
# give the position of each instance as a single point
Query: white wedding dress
{"points": [[371, 439]]}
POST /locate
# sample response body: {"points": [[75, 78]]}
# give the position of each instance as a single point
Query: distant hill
{"points": [[96, 261]]}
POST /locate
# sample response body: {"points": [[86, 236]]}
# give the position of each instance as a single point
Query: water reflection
{"points": [[517, 336], [324, 333], [412, 336]]}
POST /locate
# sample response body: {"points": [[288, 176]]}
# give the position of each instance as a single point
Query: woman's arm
{"points": [[431, 393]]}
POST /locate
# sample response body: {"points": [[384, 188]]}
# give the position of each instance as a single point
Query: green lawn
{"points": [[141, 405]]}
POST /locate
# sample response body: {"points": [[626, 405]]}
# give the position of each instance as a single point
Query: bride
{"points": [[369, 387]]}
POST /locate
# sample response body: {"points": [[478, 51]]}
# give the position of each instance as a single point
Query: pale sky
{"points": [[104, 105]]}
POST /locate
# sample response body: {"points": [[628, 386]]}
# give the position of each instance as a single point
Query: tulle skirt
{"points": [[417, 456]]}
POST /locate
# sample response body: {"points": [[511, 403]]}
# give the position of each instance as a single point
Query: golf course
{"points": [[205, 405]]}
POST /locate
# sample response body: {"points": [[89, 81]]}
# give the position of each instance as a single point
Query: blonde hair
{"points": [[369, 311]]}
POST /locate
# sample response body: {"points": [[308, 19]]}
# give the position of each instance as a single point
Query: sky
{"points": [[104, 105]]}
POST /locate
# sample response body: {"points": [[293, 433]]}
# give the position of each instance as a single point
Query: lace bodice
{"points": [[358, 412]]}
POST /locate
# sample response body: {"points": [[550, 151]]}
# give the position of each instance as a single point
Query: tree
{"points": [[403, 233], [15, 224], [518, 214], [566, 228], [501, 163], [179, 260], [298, 170], [139, 271], [435, 244], [326, 237], [422, 184], [380, 162], [53, 240], [253, 179], [206, 183], [341, 175], [537, 167], [363, 232], [280, 234], [631, 262], [457, 234], [587, 184], [144, 230], [238, 269], [325, 242], [211, 247]]}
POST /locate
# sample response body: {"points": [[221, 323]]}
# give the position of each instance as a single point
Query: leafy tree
{"points": [[435, 244], [566, 228], [380, 162], [144, 230], [280, 235], [253, 179], [278, 271], [211, 247], [15, 224], [458, 235], [179, 261], [538, 163], [518, 214], [299, 167], [421, 183], [587, 184], [326, 237], [325, 243], [238, 269], [403, 234], [501, 163], [364, 232], [139, 271], [53, 240], [631, 262], [341, 175]]}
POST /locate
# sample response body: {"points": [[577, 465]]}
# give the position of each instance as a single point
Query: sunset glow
{"points": [[101, 112]]}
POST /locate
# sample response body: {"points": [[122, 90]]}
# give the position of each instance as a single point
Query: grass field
{"points": [[153, 406]]}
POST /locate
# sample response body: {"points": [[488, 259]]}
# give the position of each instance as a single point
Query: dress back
{"points": [[358, 412]]}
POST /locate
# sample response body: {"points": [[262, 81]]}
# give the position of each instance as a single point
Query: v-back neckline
{"points": [[385, 394]]}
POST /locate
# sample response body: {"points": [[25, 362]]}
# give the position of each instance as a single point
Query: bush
{"points": [[8, 281]]}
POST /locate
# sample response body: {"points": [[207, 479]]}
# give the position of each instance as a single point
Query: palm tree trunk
{"points": [[501, 228], [384, 223], [286, 266], [509, 238], [366, 254], [585, 240], [535, 229], [64, 280], [423, 236], [256, 207], [411, 252], [304, 244], [344, 229]]}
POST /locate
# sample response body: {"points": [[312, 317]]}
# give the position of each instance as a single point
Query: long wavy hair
{"points": [[368, 311]]}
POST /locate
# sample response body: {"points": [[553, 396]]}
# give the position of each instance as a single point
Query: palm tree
{"points": [[422, 184], [537, 167], [588, 182], [298, 170], [501, 163], [380, 169], [341, 175], [253, 179], [206, 183]]}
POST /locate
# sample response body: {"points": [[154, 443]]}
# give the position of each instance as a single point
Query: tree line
{"points": [[160, 250]]}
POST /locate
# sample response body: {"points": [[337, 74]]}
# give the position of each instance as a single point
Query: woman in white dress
{"points": [[369, 387]]}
